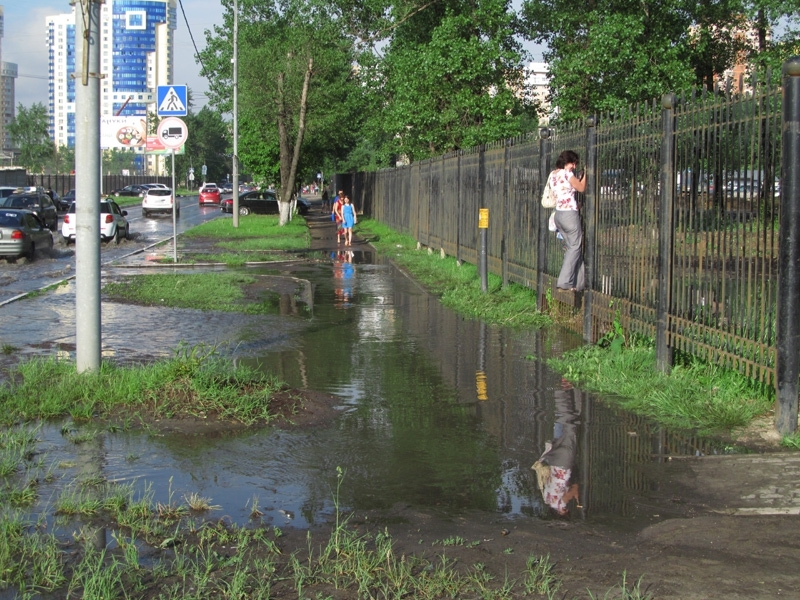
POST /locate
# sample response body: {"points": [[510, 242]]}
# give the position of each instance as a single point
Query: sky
{"points": [[24, 43]]}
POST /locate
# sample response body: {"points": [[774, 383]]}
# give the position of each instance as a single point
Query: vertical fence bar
{"points": [[545, 146], [788, 334], [459, 207], [663, 351], [590, 225], [506, 212]]}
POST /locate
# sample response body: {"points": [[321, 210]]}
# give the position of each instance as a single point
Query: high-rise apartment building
{"points": [[8, 75], [136, 55]]}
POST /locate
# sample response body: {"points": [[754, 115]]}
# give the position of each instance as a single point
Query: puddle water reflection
{"points": [[436, 412]]}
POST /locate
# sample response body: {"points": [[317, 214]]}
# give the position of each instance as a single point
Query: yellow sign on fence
{"points": [[483, 218]]}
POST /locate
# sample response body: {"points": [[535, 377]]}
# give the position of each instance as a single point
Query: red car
{"points": [[209, 194]]}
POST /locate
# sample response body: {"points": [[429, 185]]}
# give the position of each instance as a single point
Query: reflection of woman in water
{"points": [[343, 274], [555, 466]]}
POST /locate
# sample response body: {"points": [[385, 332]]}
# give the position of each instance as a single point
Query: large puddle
{"points": [[437, 412]]}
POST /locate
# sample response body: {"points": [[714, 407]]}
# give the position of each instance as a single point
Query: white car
{"points": [[113, 224], [159, 200]]}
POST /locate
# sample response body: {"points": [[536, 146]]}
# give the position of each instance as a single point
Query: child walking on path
{"points": [[348, 220]]}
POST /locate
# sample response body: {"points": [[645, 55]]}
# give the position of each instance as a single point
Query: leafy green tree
{"points": [[614, 53], [28, 132], [63, 160], [295, 82], [777, 25], [115, 160], [452, 77], [610, 53]]}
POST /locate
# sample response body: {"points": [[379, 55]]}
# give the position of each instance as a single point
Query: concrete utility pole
{"points": [[235, 165], [87, 185]]}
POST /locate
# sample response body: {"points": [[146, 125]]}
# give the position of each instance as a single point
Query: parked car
{"points": [[69, 198], [38, 203], [209, 194], [5, 191], [130, 190], [158, 200], [743, 190], [22, 233], [261, 203], [225, 187], [57, 202], [113, 224], [156, 185]]}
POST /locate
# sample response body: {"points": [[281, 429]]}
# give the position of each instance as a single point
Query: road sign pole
{"points": [[174, 217]]}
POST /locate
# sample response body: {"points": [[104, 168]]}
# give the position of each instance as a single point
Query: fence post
{"points": [[545, 149], [667, 183], [506, 216], [459, 208], [590, 223], [788, 317]]}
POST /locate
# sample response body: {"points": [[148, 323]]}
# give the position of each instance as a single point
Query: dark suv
{"points": [[39, 203]]}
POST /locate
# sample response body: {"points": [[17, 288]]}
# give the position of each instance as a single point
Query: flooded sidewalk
{"points": [[439, 420]]}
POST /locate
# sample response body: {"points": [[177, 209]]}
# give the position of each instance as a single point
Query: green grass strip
{"points": [[458, 286], [196, 382], [204, 291], [262, 227], [695, 396]]}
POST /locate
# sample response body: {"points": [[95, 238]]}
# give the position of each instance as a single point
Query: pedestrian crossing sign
{"points": [[171, 101]]}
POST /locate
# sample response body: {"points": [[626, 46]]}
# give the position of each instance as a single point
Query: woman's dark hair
{"points": [[567, 156]]}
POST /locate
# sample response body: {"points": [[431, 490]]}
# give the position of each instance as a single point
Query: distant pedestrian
{"points": [[337, 216], [325, 203], [565, 185], [349, 219]]}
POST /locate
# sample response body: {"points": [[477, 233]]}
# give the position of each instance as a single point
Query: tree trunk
{"points": [[290, 154]]}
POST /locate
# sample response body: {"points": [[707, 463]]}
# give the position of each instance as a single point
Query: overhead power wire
{"points": [[191, 36]]}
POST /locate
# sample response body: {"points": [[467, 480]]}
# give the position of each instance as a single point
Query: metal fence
{"points": [[682, 215], [63, 183]]}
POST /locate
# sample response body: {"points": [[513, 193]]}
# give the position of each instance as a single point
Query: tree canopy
{"points": [[334, 85], [612, 53], [29, 132]]}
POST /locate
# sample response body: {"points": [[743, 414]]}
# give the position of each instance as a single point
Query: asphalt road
{"points": [[22, 276]]}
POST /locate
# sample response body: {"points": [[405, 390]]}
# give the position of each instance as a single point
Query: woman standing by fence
{"points": [[565, 185]]}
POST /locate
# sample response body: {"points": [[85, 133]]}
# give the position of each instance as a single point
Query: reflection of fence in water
{"points": [[616, 445], [725, 218], [519, 410]]}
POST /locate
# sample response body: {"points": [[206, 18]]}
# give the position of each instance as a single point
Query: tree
{"points": [[29, 132], [295, 76], [116, 160], [611, 53], [619, 52], [63, 160], [452, 77]]}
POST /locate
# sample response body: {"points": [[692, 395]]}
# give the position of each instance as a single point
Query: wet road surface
{"points": [[23, 276]]}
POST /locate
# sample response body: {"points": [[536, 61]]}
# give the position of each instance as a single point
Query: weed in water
{"points": [[198, 503], [255, 511]]}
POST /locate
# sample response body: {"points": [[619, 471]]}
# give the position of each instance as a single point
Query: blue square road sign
{"points": [[171, 101]]}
